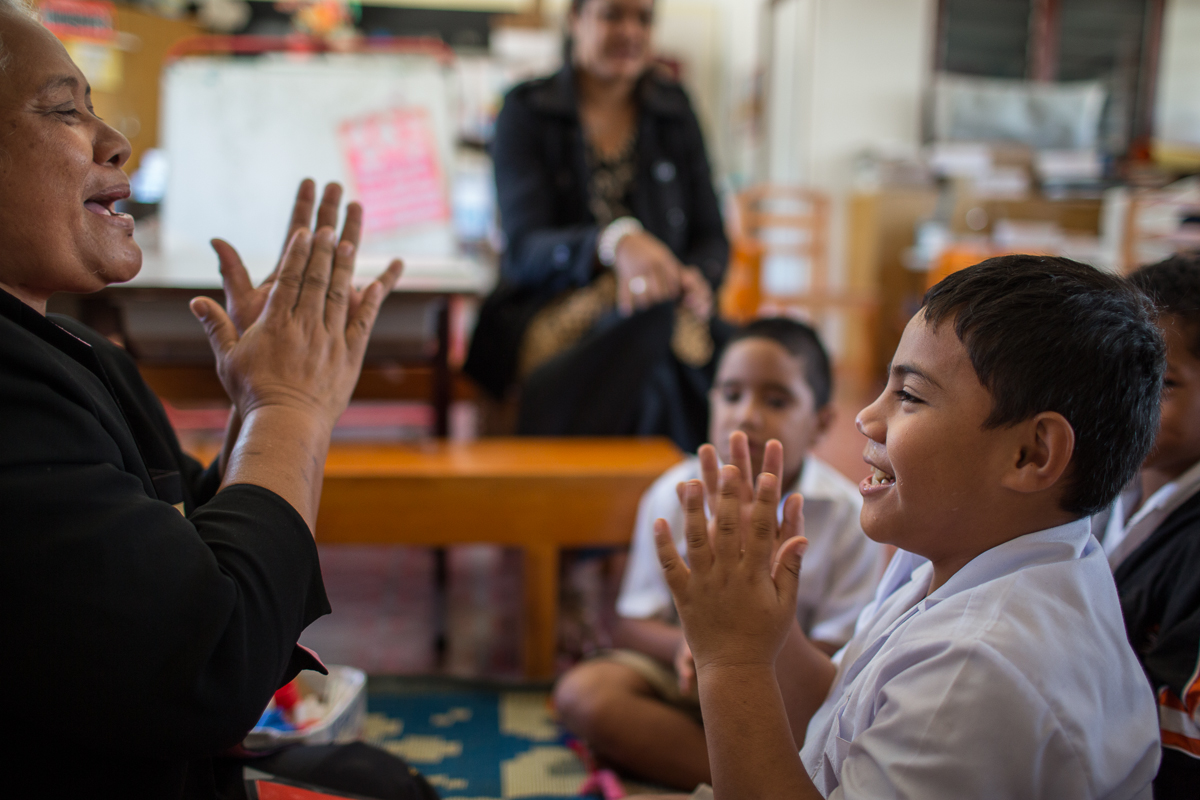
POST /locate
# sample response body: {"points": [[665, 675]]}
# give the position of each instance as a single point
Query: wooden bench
{"points": [[539, 495]]}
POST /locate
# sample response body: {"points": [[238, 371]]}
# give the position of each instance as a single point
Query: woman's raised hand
{"points": [[293, 369], [245, 301], [305, 350], [647, 272]]}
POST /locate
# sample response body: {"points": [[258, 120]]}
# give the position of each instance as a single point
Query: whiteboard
{"points": [[240, 134]]}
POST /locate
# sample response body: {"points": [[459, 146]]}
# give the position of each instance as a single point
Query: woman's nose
{"points": [[111, 147]]}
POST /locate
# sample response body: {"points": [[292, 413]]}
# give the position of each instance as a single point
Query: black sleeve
{"points": [[708, 247], [148, 632], [540, 251]]}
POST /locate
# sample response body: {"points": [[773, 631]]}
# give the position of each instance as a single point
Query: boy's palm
{"points": [[737, 599]]}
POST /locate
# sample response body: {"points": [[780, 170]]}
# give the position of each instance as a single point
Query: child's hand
{"points": [[685, 669], [738, 598]]}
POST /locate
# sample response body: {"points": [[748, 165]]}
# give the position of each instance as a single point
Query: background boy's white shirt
{"points": [[841, 566], [1121, 532], [1014, 679]]}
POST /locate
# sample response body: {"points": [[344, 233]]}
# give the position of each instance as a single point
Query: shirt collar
{"points": [[1170, 496], [1062, 543]]}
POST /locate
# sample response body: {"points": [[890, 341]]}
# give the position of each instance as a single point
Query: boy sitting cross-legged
{"points": [[636, 707], [1021, 398], [1152, 533]]}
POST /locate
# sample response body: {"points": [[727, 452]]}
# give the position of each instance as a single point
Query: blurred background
{"points": [[862, 149]]}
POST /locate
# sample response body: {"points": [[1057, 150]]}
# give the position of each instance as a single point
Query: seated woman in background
{"points": [[152, 607], [614, 244]]}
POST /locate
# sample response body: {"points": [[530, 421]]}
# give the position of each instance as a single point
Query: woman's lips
{"points": [[109, 214]]}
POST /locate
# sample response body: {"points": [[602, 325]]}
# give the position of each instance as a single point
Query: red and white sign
{"points": [[79, 19], [394, 165]]}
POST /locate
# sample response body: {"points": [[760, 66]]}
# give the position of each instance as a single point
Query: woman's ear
{"points": [[1045, 445]]}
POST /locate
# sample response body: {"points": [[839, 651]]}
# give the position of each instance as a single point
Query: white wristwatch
{"points": [[611, 236]]}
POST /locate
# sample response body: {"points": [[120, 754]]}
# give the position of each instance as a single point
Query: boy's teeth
{"points": [[879, 477]]}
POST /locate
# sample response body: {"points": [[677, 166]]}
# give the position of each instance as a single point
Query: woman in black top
{"points": [[614, 243], [152, 607]]}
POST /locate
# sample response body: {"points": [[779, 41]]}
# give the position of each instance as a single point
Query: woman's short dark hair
{"points": [[1173, 285], [1051, 334], [801, 342]]}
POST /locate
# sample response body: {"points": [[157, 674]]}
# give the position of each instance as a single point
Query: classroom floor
{"points": [[477, 740]]}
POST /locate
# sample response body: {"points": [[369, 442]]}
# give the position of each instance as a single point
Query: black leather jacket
{"points": [[550, 233]]}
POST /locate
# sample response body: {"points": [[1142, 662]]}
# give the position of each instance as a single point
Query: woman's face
{"points": [[60, 174], [611, 38]]}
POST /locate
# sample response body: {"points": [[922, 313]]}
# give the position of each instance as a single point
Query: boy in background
{"points": [[1151, 533], [636, 707], [1021, 398]]}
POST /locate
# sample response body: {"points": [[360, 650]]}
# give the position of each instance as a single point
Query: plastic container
{"points": [[344, 691]]}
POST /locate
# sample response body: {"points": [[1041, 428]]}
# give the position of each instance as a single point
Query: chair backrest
{"points": [[788, 228]]}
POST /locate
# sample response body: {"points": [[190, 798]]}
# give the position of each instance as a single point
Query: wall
{"points": [[1178, 109], [864, 81]]}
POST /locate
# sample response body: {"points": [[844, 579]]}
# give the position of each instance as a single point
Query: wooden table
{"points": [[540, 495]]}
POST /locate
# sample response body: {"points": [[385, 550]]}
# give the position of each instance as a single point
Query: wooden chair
{"points": [[793, 223]]}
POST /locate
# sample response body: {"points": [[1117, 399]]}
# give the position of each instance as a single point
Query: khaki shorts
{"points": [[662, 679]]}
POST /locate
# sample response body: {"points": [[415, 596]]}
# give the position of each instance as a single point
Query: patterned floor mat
{"points": [[473, 740]]}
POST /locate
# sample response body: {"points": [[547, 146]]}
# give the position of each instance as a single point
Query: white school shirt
{"points": [[840, 567], [1012, 680], [1122, 533]]}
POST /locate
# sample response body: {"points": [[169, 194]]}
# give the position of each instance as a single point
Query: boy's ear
{"points": [[826, 414], [1046, 443]]}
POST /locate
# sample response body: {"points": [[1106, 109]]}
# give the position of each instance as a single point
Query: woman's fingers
{"points": [[317, 273], [218, 327], [234, 277], [338, 298], [282, 299], [302, 212], [352, 227], [358, 328], [331, 200]]}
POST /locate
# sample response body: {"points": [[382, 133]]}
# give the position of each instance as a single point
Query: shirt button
{"points": [[664, 172], [676, 217], [561, 254]]}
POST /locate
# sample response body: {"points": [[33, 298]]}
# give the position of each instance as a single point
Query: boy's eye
{"points": [[778, 403], [905, 397], [731, 395]]}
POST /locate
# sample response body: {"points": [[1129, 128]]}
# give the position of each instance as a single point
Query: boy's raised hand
{"points": [[738, 598]]}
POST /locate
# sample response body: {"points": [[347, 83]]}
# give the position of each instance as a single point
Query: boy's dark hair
{"points": [[1173, 285], [1051, 334], [802, 342]]}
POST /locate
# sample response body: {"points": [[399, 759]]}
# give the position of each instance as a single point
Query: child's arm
{"points": [[805, 674], [737, 605], [657, 639], [803, 668]]}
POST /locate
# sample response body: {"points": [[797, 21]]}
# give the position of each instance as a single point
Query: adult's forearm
{"points": [[805, 674], [282, 449], [750, 746], [653, 637], [232, 428]]}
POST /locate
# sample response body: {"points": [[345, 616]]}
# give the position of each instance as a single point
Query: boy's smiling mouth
{"points": [[880, 478]]}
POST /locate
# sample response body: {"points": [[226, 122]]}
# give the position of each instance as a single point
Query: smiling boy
{"points": [[637, 706], [1021, 398]]}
